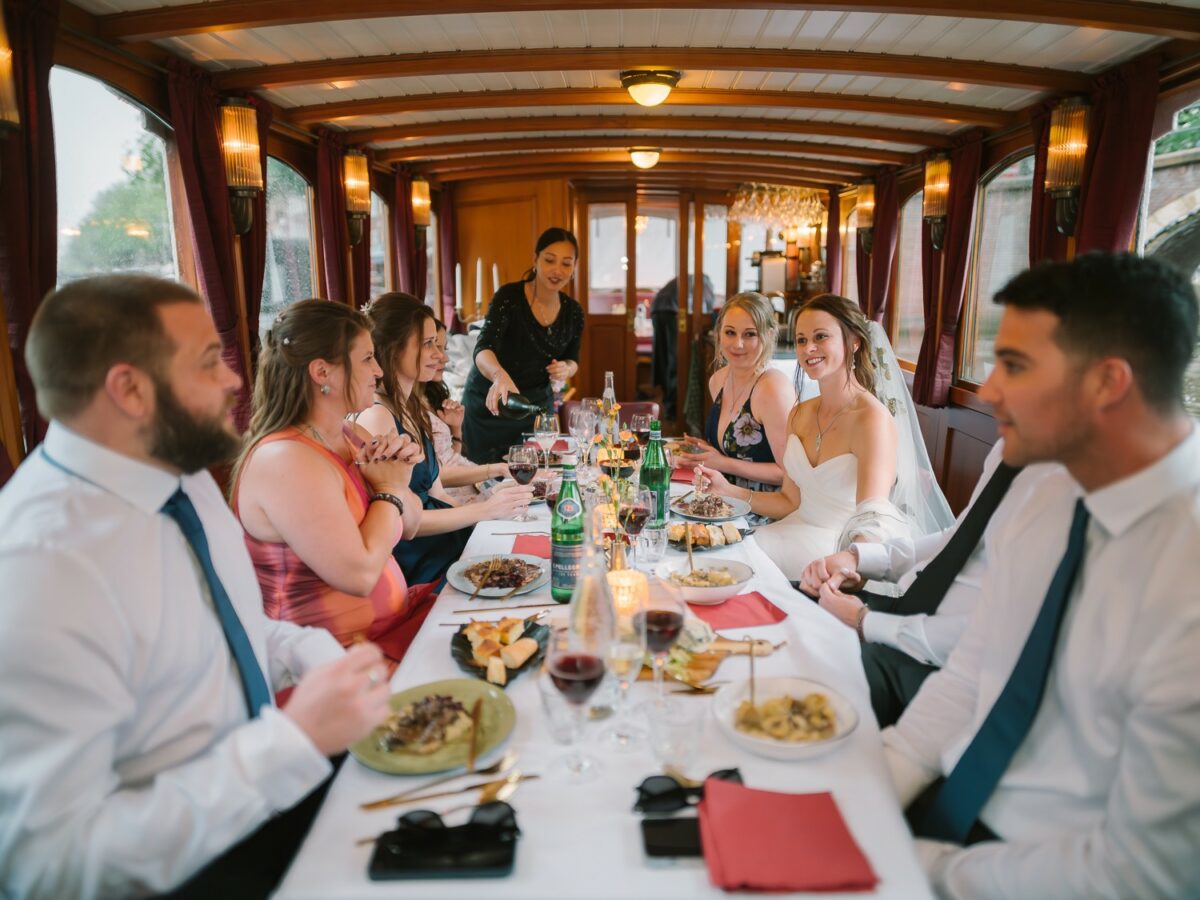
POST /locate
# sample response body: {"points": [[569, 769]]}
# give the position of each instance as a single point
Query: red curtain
{"points": [[28, 185], [935, 365], [421, 263], [403, 234], [833, 241], [1122, 119], [447, 253], [862, 271], [1045, 242], [254, 243], [883, 251], [331, 215], [194, 111]]}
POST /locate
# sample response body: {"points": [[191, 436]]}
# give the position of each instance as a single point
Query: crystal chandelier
{"points": [[776, 206]]}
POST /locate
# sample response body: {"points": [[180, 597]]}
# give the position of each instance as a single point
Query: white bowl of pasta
{"points": [[793, 718]]}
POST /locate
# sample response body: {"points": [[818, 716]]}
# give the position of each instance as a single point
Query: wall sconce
{"points": [[865, 207], [420, 202], [936, 198], [358, 192], [10, 116], [644, 157], [1064, 160], [649, 87], [243, 165]]}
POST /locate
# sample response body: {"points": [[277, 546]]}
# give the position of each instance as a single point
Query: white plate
{"points": [[740, 508], [727, 699], [708, 596], [459, 581]]}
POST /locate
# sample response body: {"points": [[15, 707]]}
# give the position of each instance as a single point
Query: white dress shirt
{"points": [[1103, 797], [930, 638], [127, 760]]}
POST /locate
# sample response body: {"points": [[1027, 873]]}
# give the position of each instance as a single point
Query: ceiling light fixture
{"points": [[649, 87], [644, 157]]}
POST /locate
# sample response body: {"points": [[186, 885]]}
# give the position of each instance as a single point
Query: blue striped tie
{"points": [[966, 791], [254, 685]]}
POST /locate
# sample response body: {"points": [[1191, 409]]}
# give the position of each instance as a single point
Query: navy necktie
{"points": [[964, 793], [254, 685]]}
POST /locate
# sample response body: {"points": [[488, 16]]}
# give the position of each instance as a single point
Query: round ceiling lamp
{"points": [[649, 87], [644, 157]]}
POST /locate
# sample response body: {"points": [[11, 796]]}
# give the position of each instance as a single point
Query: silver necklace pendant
{"points": [[818, 445]]}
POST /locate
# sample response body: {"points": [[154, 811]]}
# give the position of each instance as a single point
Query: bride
{"points": [[849, 474]]}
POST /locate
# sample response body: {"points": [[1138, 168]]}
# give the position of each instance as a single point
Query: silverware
{"points": [[503, 764], [514, 776]]}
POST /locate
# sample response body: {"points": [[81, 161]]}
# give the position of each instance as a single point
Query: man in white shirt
{"points": [[1067, 721], [137, 731]]}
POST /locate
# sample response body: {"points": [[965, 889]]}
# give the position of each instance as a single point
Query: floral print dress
{"points": [[744, 438]]}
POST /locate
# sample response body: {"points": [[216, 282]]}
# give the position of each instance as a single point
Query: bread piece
{"points": [[699, 534], [515, 655], [510, 629], [715, 536], [485, 650], [675, 532], [732, 535], [478, 632], [496, 673]]}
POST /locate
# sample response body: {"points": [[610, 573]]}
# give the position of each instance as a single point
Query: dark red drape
{"points": [[862, 271], [331, 215], [28, 209], [403, 234], [833, 241], [447, 252], [194, 110], [360, 253], [421, 263], [883, 252], [254, 243], [1045, 242], [1122, 119], [935, 365]]}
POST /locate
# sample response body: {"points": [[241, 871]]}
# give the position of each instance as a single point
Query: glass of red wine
{"points": [[576, 665], [637, 506], [522, 466], [640, 426], [660, 622]]}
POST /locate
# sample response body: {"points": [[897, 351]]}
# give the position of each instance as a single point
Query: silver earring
{"points": [[325, 389]]}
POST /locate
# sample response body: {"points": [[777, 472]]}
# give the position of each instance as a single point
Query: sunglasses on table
{"points": [[423, 846], [662, 793]]}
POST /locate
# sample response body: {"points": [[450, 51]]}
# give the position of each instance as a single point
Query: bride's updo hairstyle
{"points": [[854, 330], [762, 314]]}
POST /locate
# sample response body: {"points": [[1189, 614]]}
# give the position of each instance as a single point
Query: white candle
{"points": [[458, 285], [479, 282], [495, 278]]}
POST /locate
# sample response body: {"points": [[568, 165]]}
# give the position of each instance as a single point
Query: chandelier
{"points": [[776, 206]]}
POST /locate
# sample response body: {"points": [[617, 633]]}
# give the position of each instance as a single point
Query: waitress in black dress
{"points": [[530, 337]]}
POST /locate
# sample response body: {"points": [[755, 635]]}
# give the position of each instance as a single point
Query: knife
{"points": [[476, 715], [514, 777]]}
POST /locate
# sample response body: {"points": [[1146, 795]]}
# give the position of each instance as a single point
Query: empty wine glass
{"points": [[522, 466], [626, 652], [660, 622], [545, 432], [583, 428]]}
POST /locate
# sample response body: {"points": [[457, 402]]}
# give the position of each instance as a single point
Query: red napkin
{"points": [[765, 841], [532, 544], [742, 611], [681, 476]]}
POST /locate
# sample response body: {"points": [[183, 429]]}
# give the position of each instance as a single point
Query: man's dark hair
{"points": [[84, 328], [1118, 304]]}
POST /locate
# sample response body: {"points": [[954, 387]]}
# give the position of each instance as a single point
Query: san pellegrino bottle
{"points": [[566, 536], [656, 474]]}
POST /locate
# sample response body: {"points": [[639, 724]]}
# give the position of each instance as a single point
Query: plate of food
{"points": [[707, 584], [430, 727], [705, 537], [499, 651], [709, 507], [501, 575], [793, 718]]}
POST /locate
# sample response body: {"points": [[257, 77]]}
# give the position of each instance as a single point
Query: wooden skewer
{"points": [[466, 612]]}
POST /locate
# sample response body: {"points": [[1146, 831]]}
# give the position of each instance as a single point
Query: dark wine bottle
{"points": [[518, 406]]}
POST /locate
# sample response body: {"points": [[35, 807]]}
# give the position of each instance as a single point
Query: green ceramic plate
{"points": [[498, 718]]}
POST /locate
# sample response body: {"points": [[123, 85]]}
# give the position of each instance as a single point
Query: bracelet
{"points": [[858, 623], [389, 498], [455, 440]]}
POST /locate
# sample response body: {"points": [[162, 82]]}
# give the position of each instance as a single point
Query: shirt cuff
{"points": [[281, 761], [882, 628], [874, 561]]}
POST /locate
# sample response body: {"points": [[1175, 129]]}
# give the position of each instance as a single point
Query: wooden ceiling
{"points": [[776, 91]]}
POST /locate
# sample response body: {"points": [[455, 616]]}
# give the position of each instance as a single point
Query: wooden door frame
{"points": [[584, 198]]}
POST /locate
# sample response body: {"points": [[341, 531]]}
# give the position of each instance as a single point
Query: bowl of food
{"points": [[791, 718], [712, 581]]}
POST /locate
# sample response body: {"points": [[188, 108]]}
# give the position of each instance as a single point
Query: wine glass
{"points": [[640, 426], [626, 652], [660, 622], [522, 466], [545, 432], [637, 506], [576, 661]]}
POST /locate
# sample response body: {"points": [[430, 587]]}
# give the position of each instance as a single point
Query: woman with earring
{"points": [[529, 342], [323, 508], [746, 431], [404, 332], [842, 454]]}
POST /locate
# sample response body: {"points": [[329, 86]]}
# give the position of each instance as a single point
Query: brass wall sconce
{"points": [[1064, 160], [865, 207], [936, 199], [243, 164], [357, 180]]}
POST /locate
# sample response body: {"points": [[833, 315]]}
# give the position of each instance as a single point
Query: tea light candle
{"points": [[630, 592]]}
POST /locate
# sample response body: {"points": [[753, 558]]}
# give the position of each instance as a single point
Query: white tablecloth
{"points": [[584, 841]]}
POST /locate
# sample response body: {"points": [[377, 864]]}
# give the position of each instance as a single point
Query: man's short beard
{"points": [[185, 441]]}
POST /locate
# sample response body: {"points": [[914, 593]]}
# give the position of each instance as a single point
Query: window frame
{"points": [[893, 314], [314, 247]]}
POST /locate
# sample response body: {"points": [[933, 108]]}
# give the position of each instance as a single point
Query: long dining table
{"points": [[584, 840]]}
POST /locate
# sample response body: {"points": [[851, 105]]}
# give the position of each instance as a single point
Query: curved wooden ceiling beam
{"points": [[813, 167], [440, 151], [227, 15], [625, 173], [644, 123], [383, 106], [576, 59]]}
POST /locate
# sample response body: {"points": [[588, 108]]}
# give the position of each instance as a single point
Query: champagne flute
{"points": [[522, 466], [660, 622]]}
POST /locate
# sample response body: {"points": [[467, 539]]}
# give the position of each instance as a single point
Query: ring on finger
{"points": [[375, 676]]}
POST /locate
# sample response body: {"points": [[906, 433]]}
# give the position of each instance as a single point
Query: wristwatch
{"points": [[389, 498]]}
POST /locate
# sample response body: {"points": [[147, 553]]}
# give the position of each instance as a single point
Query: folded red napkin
{"points": [[533, 544], [742, 611], [765, 841], [682, 476]]}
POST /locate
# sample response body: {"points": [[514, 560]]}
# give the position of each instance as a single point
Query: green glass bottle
{"points": [[656, 475], [566, 536]]}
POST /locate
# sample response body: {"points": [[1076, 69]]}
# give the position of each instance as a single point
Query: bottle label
{"points": [[564, 566], [568, 509]]}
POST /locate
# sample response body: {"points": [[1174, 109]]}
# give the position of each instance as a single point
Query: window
{"points": [[1001, 251], [754, 240], [433, 275], [114, 205], [289, 270], [716, 252], [850, 257], [381, 252], [607, 260], [909, 314]]}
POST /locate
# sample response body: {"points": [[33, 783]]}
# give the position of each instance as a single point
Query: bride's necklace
{"points": [[821, 431]]}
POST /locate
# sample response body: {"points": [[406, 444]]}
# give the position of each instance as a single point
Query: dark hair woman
{"points": [[530, 340]]}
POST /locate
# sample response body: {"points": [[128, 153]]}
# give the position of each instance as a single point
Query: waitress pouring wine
{"points": [[529, 343]]}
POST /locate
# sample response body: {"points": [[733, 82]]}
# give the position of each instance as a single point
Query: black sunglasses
{"points": [[662, 793]]}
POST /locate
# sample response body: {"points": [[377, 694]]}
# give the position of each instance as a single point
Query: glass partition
{"points": [[607, 259]]}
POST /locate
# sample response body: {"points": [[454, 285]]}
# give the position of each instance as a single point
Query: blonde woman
{"points": [[746, 431]]}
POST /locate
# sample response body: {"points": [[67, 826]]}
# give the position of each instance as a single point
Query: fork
{"points": [[499, 765]]}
